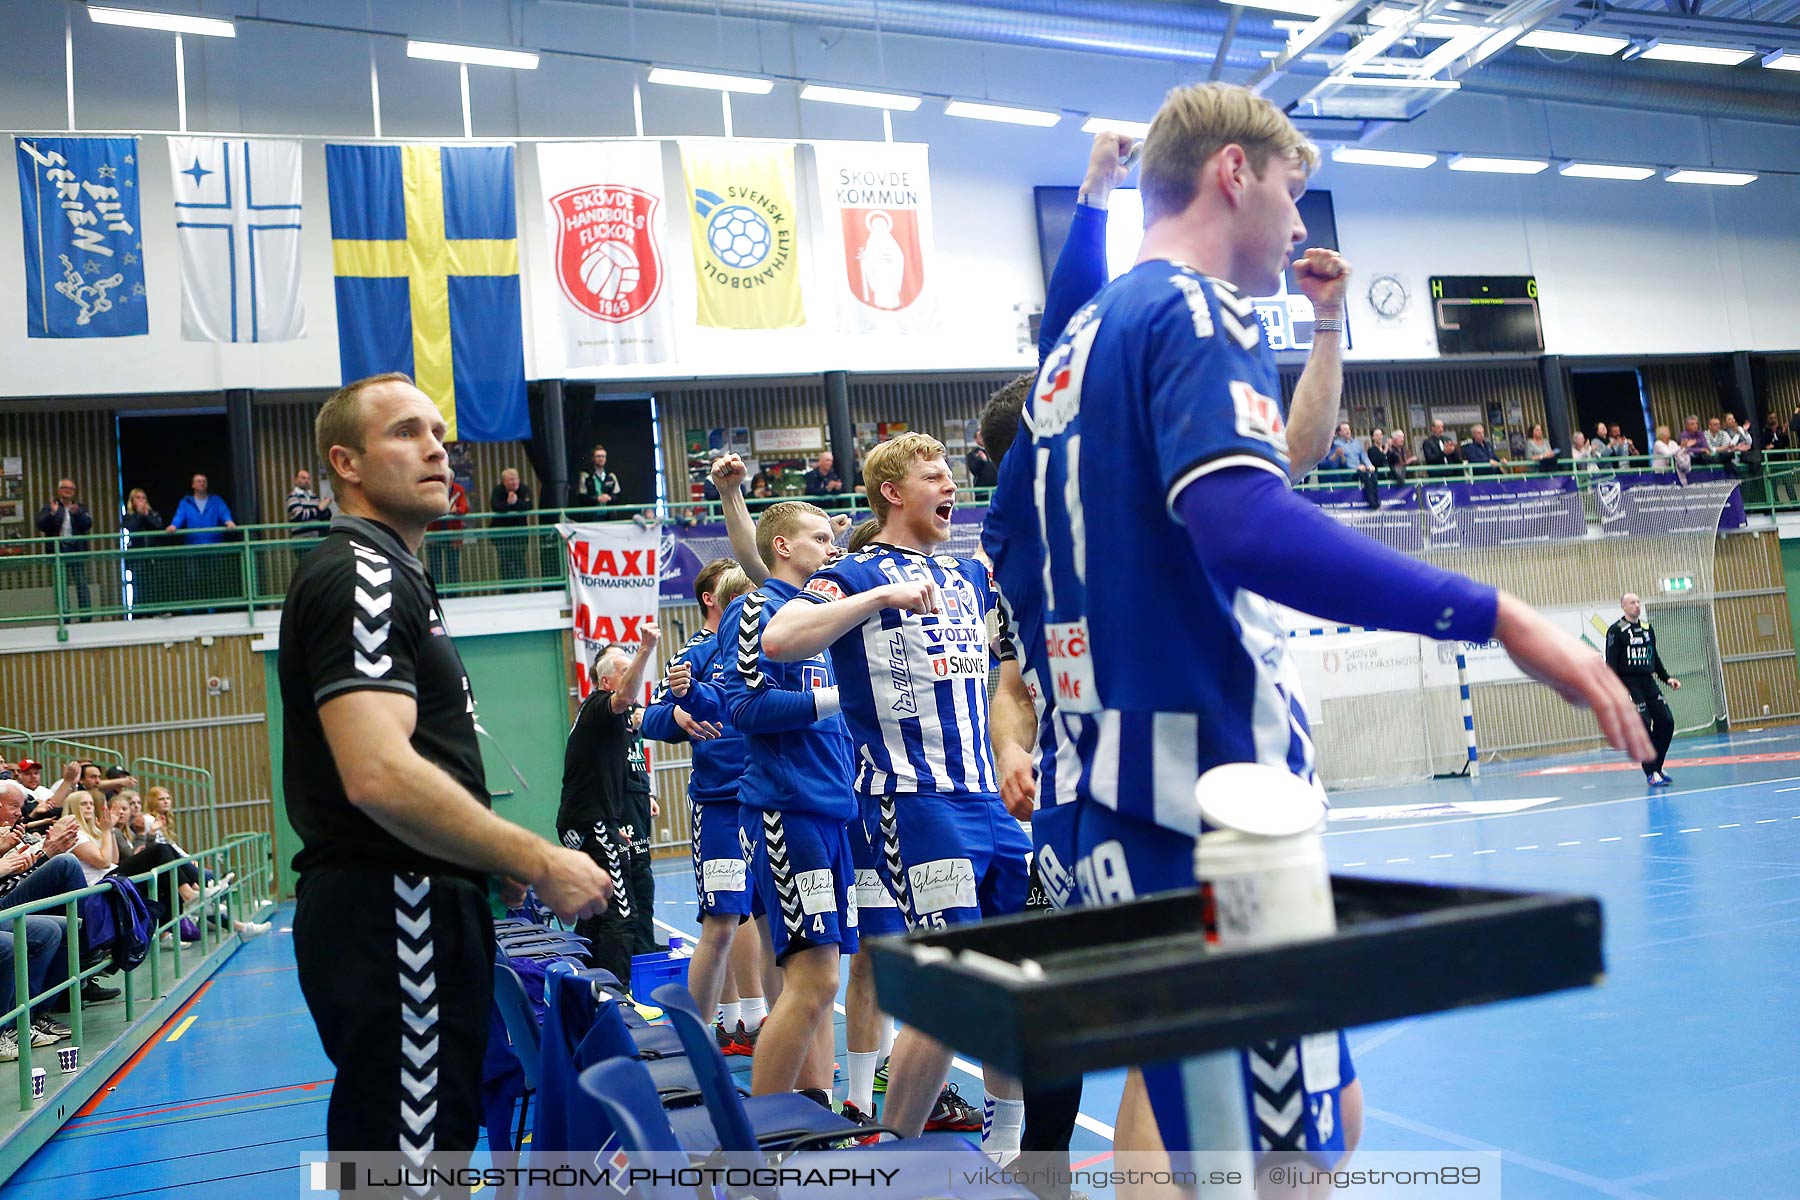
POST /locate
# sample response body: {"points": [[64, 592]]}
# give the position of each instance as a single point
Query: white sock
{"points": [[728, 1015], [752, 1010], [887, 1036], [1002, 1123], [861, 1090]]}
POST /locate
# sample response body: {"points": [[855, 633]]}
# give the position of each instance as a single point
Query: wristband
{"points": [[1328, 325], [825, 703]]}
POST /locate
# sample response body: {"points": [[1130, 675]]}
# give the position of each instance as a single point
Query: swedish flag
{"points": [[425, 242]]}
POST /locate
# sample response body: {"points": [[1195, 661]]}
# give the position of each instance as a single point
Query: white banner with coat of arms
{"points": [[605, 208], [875, 207], [613, 586]]}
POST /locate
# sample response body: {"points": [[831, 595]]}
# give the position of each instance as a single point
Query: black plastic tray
{"points": [[1134, 983]]}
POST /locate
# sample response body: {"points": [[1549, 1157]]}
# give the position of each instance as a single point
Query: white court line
{"points": [[1091, 1124], [1541, 811]]}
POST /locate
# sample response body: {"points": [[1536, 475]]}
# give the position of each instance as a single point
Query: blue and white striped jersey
{"points": [[718, 763], [914, 688], [1160, 670], [1009, 536]]}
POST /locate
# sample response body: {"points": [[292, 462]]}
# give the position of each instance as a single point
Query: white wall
{"points": [[1623, 268]]}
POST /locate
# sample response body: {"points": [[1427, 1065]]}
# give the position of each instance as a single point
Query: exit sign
{"points": [[1678, 583]]}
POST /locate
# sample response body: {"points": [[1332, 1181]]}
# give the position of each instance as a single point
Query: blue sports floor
{"points": [[1679, 1077]]}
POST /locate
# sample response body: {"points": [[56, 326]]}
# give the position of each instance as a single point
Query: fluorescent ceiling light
{"points": [[1496, 44], [711, 82], [1498, 166], [1381, 158], [1581, 170], [1394, 81], [858, 97], [1300, 8], [1574, 43], [479, 56], [1385, 17], [138, 19], [1715, 178], [1002, 113], [1716, 56], [1782, 60], [1136, 129]]}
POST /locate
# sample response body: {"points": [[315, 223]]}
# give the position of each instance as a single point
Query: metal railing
{"points": [[247, 856], [113, 576]]}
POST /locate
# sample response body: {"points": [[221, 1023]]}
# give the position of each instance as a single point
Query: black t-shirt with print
{"points": [[362, 615]]}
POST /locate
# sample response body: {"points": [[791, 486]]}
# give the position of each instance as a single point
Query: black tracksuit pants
{"points": [[1654, 709], [640, 878], [398, 972], [612, 934]]}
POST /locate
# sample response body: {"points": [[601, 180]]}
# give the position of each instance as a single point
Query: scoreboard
{"points": [[1487, 314]]}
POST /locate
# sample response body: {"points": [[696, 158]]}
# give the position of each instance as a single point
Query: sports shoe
{"points": [[1664, 775], [647, 1011], [250, 929], [729, 1043], [747, 1038], [857, 1116], [818, 1096], [881, 1076], [1659, 780], [9, 1045], [95, 992], [47, 1031], [953, 1112]]}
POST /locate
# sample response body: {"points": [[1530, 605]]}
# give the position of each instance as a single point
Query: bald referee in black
{"points": [[1631, 653], [384, 784]]}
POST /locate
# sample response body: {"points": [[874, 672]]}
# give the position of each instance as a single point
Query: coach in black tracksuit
{"points": [[597, 815], [1631, 653], [383, 782]]}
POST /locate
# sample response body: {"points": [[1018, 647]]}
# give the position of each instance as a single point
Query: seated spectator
{"points": [[1719, 444], [511, 504], [1399, 457], [1775, 435], [1581, 451], [105, 783], [1618, 445], [1600, 439], [1347, 454], [202, 513], [30, 774], [94, 847], [303, 507], [762, 485], [1439, 448], [1737, 438], [1693, 440], [1378, 444], [121, 807], [36, 867], [1539, 450], [1477, 452], [1667, 454], [982, 471]]}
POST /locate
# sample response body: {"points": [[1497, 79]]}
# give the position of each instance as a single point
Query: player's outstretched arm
{"points": [[632, 685], [728, 474], [1323, 276], [414, 799], [800, 631], [1251, 531]]}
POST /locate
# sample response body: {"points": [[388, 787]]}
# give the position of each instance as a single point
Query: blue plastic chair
{"points": [[622, 1090], [776, 1122], [520, 1020]]}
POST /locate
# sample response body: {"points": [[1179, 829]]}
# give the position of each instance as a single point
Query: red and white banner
{"points": [[875, 207], [613, 586], [605, 210]]}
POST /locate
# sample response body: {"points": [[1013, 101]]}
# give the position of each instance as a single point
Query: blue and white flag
{"points": [[84, 257], [237, 222]]}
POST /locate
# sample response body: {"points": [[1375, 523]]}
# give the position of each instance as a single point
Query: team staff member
{"points": [[596, 815], [642, 810], [384, 785], [1631, 653]]}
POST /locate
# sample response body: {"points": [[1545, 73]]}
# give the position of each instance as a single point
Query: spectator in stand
{"points": [[444, 538], [94, 847], [1440, 449], [1774, 434], [1693, 440], [824, 481], [1719, 443], [30, 774], [37, 867], [1347, 454], [304, 508], [1794, 427], [104, 783], [1378, 444], [123, 838], [202, 513], [1583, 452], [45, 954], [598, 487], [511, 503], [1666, 452], [1601, 440], [1477, 452], [982, 471], [68, 520], [762, 487], [1618, 445], [1399, 457], [1737, 437], [1539, 450], [145, 525]]}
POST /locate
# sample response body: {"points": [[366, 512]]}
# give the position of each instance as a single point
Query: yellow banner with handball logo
{"points": [[740, 199]]}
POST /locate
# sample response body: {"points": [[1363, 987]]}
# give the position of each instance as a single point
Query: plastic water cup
{"points": [[675, 943], [38, 1078], [68, 1058]]}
